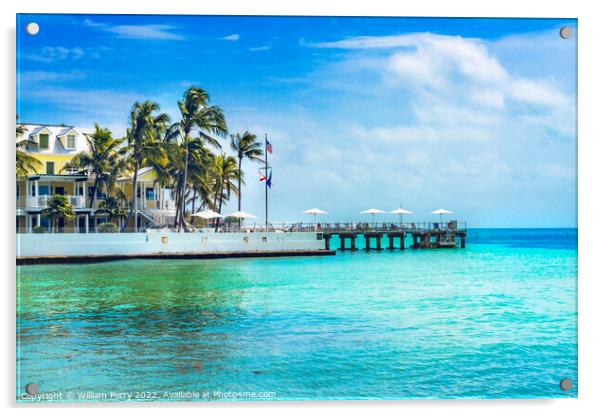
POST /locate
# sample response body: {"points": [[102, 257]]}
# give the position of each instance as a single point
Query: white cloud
{"points": [[233, 37], [45, 76], [452, 63], [487, 97], [260, 48], [85, 107], [152, 32], [49, 54], [537, 92]]}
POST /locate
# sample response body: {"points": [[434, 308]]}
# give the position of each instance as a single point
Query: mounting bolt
{"points": [[32, 388], [32, 28], [566, 384], [566, 32]]}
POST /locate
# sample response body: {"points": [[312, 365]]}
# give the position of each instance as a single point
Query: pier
{"points": [[424, 235]]}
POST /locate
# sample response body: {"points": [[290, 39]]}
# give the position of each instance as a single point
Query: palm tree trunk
{"points": [[219, 208], [239, 190], [95, 191], [134, 200], [183, 201], [178, 197]]}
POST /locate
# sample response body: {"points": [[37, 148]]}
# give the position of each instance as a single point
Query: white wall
{"points": [[160, 242]]}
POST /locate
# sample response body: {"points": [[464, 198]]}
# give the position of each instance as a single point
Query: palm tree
{"points": [[102, 158], [245, 146], [144, 145], [196, 114], [225, 175], [58, 206], [200, 160], [112, 206], [25, 163], [171, 174]]}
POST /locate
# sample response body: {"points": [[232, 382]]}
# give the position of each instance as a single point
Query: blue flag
{"points": [[269, 181]]}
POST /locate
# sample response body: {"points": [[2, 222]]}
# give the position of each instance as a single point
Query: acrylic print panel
{"points": [[217, 208]]}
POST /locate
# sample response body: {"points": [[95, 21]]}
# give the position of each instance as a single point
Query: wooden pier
{"points": [[423, 236]]}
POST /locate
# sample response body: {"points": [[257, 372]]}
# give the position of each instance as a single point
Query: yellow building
{"points": [[54, 147]]}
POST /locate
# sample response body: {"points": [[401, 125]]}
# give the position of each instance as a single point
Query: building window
{"points": [[44, 139], [71, 141], [99, 194], [150, 194], [50, 168], [44, 189]]}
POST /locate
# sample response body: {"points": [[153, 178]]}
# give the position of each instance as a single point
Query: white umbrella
{"points": [[372, 211], [241, 215], [208, 214], [315, 212], [400, 211], [440, 212]]}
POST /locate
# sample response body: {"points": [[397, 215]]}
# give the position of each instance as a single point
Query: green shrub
{"points": [[39, 229], [107, 227]]}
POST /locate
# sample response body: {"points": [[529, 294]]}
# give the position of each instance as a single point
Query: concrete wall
{"points": [[161, 242]]}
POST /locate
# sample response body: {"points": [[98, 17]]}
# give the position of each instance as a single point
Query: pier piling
{"points": [[377, 236]]}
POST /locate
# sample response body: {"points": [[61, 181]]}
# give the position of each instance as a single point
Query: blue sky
{"points": [[473, 115]]}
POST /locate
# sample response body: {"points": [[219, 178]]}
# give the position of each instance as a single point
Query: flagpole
{"points": [[266, 182]]}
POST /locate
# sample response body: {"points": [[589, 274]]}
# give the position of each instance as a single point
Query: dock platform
{"points": [[424, 236]]}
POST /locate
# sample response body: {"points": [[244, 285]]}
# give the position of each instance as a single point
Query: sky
{"points": [[477, 116]]}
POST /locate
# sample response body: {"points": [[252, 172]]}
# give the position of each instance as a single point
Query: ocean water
{"points": [[497, 319]]}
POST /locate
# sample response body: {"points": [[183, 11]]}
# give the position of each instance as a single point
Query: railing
{"points": [[453, 225], [41, 201], [169, 204], [152, 204], [339, 227]]}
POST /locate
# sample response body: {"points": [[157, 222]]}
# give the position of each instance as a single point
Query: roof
{"points": [[57, 176], [141, 172], [54, 129], [37, 129], [66, 130]]}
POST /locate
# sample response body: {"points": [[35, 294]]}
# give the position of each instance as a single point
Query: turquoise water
{"points": [[495, 320]]}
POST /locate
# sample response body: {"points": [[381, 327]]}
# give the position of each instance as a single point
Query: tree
{"points": [[58, 206], [144, 145], [102, 160], [25, 163], [246, 147], [225, 175], [112, 207], [195, 114]]}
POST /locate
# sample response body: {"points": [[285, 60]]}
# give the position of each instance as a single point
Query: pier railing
{"points": [[336, 227]]}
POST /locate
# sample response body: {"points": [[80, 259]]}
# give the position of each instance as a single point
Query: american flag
{"points": [[268, 147]]}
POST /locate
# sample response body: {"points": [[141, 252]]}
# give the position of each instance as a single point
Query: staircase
{"points": [[149, 217], [448, 239]]}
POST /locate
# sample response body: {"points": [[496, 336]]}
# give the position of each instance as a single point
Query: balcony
{"points": [[41, 201], [165, 205]]}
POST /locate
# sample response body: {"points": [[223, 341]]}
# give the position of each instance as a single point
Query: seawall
{"points": [[78, 248]]}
